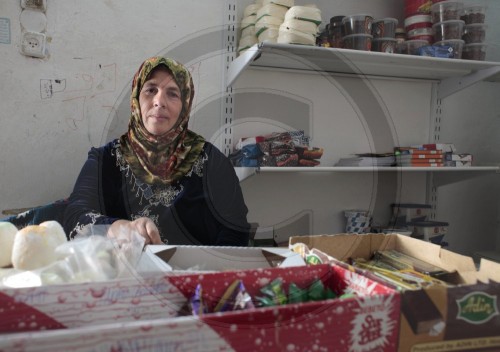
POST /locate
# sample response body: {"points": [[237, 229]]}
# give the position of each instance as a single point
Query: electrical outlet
{"points": [[33, 44], [34, 4]]}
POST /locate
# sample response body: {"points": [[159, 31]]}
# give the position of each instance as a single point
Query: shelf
{"points": [[453, 74], [459, 172]]}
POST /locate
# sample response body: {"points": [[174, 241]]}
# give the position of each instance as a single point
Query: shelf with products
{"points": [[452, 74], [442, 175]]}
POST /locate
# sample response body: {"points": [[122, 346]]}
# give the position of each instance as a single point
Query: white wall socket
{"points": [[33, 44], [34, 4]]}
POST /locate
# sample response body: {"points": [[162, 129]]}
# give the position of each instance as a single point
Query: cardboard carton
{"points": [[211, 258], [464, 317], [366, 322]]}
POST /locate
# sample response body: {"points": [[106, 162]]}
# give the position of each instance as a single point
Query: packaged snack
{"points": [[234, 298], [274, 294]]}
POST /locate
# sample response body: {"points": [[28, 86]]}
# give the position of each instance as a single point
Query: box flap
{"points": [[223, 258], [489, 270]]}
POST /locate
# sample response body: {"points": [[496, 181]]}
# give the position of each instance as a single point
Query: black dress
{"points": [[205, 207]]}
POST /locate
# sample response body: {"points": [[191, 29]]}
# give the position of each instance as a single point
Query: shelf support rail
{"points": [[451, 85]]}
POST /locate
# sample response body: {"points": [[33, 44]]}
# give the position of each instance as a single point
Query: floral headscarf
{"points": [[166, 158]]}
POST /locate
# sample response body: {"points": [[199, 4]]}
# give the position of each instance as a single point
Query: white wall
{"points": [[54, 109], [94, 47]]}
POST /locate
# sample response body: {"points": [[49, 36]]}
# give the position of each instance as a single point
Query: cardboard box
{"points": [[367, 322], [464, 317], [211, 258], [73, 305], [145, 295]]}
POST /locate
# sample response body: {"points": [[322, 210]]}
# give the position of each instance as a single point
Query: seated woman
{"points": [[160, 178]]}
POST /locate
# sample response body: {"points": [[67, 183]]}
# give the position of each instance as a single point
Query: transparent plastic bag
{"points": [[90, 257]]}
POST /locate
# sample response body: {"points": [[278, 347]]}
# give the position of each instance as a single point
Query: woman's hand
{"points": [[144, 226]]}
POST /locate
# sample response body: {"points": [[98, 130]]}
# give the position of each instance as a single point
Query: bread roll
{"points": [[34, 246], [7, 233]]}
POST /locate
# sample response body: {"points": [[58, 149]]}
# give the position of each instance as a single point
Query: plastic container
{"points": [[453, 29], [412, 46], [384, 45], [446, 11], [400, 35], [422, 33], [358, 42], [357, 24], [474, 14], [404, 213], [457, 45], [474, 52], [336, 32], [427, 229], [417, 7], [475, 33], [384, 27], [418, 21]]}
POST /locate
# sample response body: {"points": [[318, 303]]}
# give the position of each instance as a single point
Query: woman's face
{"points": [[160, 102]]}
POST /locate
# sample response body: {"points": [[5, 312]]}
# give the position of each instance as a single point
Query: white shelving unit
{"points": [[452, 75]]}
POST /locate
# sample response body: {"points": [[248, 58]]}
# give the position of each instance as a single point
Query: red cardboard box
{"points": [[367, 322], [464, 317]]}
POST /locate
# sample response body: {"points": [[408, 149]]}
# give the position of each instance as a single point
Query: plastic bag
{"points": [[90, 257]]}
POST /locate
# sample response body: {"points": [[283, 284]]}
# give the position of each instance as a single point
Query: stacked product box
{"points": [[366, 320], [414, 217], [459, 316]]}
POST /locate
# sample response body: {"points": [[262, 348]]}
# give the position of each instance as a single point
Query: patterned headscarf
{"points": [[166, 158]]}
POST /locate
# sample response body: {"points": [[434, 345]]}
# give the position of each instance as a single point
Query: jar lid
{"points": [[336, 20], [417, 19]]}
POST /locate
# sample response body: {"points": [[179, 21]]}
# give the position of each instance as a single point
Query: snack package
{"points": [[274, 294], [234, 298]]}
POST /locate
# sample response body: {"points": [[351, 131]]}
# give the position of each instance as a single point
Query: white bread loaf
{"points": [[269, 34], [304, 13], [7, 234], [34, 246], [272, 10], [267, 22], [286, 3], [301, 26], [251, 10], [290, 36], [248, 21]]}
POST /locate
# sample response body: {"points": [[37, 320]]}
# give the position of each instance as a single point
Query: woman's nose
{"points": [[160, 100]]}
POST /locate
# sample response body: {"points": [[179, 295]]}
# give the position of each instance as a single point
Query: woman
{"points": [[160, 179]]}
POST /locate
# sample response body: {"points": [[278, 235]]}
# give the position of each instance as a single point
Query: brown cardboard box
{"points": [[464, 317]]}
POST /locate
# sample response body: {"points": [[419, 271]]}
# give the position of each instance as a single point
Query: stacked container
{"points": [[418, 25], [358, 32], [300, 25], [384, 35], [248, 35], [475, 33], [447, 26], [336, 32], [269, 18]]}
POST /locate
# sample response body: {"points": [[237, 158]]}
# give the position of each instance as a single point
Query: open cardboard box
{"points": [[211, 258], [463, 317], [366, 322]]}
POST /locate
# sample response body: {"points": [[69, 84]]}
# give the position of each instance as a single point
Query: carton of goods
{"points": [[454, 309], [211, 258], [335, 307]]}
